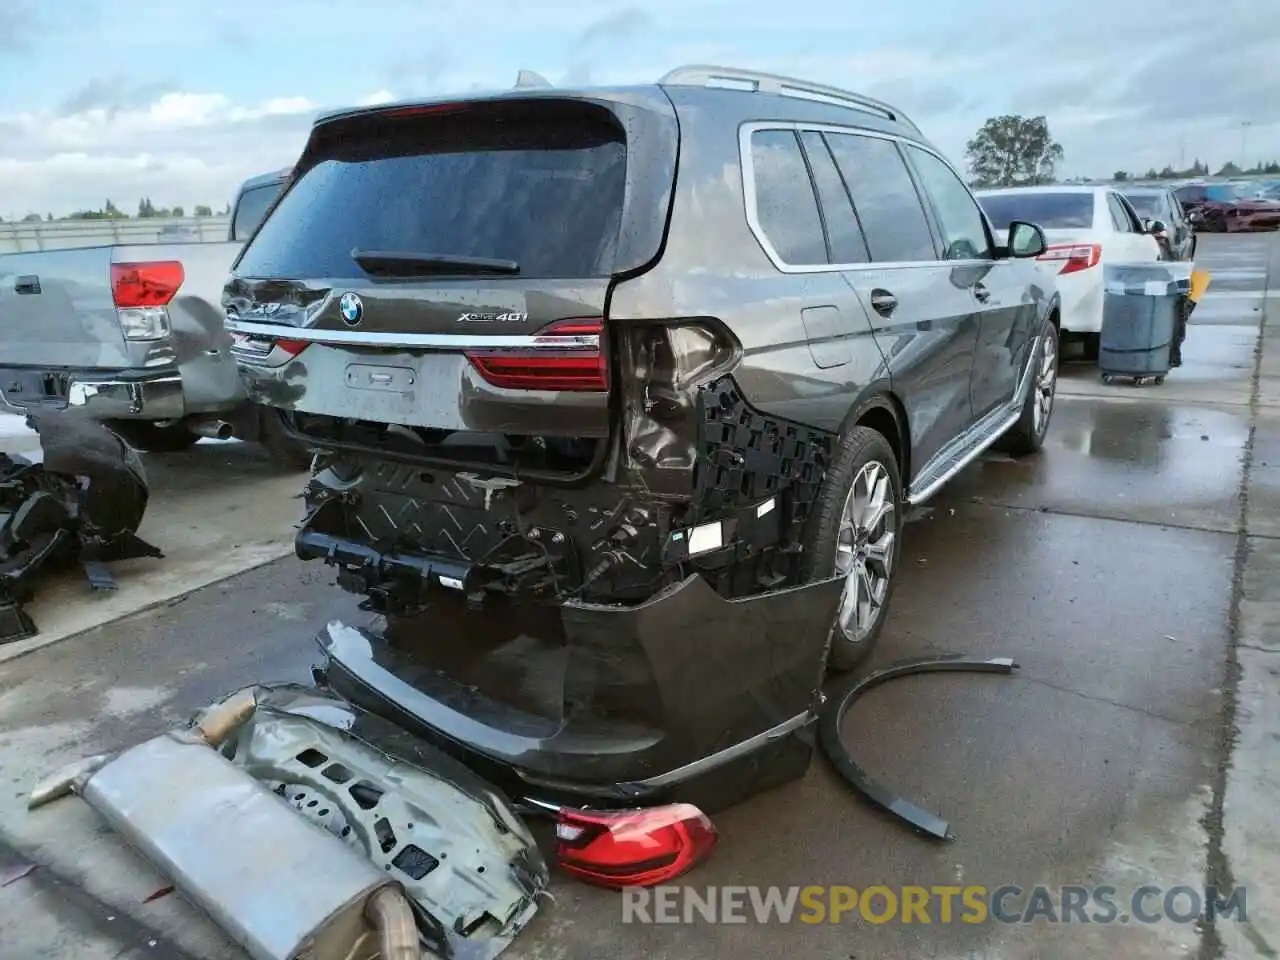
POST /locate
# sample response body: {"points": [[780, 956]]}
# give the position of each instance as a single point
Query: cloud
{"points": [[1124, 85], [600, 38], [111, 94], [19, 26], [183, 148]]}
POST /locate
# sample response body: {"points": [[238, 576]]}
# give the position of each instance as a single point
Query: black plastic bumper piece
{"points": [[832, 719], [687, 696]]}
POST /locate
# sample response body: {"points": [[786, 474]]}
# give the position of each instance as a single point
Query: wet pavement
{"points": [[1116, 568]]}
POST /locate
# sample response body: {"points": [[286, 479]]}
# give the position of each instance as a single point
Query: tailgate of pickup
{"points": [[57, 311]]}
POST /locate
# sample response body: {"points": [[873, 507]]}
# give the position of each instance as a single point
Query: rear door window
{"points": [[893, 219], [964, 232], [786, 207], [542, 185], [1120, 216], [844, 235]]}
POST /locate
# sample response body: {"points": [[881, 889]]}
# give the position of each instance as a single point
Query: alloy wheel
{"points": [[1046, 382], [865, 551]]}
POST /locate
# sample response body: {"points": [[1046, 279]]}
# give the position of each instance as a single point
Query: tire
{"points": [[1027, 435], [153, 438], [863, 454]]}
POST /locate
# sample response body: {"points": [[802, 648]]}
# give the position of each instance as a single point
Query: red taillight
{"points": [[135, 285], [633, 848], [256, 348], [567, 355], [1072, 257]]}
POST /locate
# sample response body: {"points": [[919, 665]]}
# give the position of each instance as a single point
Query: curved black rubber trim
{"points": [[831, 719]]}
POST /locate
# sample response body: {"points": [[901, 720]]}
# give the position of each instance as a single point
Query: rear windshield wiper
{"points": [[397, 263]]}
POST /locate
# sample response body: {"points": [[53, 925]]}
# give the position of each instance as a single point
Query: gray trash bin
{"points": [[1143, 304]]}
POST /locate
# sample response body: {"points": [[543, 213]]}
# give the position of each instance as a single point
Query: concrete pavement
{"points": [[1131, 570]]}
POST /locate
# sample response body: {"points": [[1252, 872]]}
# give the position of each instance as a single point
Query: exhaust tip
{"points": [[213, 429]]}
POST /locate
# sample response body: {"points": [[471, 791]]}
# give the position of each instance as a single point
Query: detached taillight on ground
{"points": [[567, 355], [633, 848], [1072, 257], [142, 293]]}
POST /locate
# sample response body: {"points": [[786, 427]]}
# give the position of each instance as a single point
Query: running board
{"points": [[975, 441]]}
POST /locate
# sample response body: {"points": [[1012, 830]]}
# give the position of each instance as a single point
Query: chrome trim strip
{"points": [[414, 341], [741, 749], [752, 211], [1007, 418]]}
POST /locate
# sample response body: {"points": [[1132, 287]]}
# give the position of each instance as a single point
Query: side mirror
{"points": [[1026, 240]]}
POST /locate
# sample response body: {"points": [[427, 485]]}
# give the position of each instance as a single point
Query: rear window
{"points": [[251, 208], [539, 183], [1147, 204], [1049, 211]]}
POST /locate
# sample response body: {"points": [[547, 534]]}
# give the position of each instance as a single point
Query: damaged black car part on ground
{"points": [[82, 504], [623, 459]]}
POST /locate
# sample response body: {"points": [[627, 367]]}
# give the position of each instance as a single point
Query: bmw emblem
{"points": [[352, 309]]}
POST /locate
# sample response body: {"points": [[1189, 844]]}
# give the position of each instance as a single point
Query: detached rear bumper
{"points": [[687, 696], [99, 396]]}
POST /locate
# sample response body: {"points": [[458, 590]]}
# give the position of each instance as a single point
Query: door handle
{"points": [[981, 292], [27, 284], [883, 302]]}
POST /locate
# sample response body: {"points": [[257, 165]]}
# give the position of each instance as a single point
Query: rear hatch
{"points": [[435, 279]]}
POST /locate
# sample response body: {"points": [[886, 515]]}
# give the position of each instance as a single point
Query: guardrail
{"points": [[21, 237]]}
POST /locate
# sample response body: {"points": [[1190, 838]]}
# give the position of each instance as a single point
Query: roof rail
{"points": [[704, 75]]}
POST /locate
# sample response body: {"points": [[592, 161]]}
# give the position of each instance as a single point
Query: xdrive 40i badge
{"points": [[493, 318]]}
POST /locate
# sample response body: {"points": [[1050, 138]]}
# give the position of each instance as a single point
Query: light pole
{"points": [[1244, 145]]}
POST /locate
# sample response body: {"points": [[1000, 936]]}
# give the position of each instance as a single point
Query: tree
{"points": [[202, 211], [31, 218], [1013, 151], [146, 209], [1229, 169], [1120, 176], [177, 212], [112, 212]]}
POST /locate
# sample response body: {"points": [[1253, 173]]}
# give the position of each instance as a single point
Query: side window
{"points": [[1119, 219], [786, 207], [893, 219], [844, 235], [964, 233], [1130, 214]]}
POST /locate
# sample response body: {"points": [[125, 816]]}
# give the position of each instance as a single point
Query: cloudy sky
{"points": [[182, 99]]}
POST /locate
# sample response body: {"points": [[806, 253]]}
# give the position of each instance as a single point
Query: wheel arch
{"points": [[883, 411]]}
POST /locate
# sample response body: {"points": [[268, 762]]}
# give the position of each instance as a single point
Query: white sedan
{"points": [[1085, 227]]}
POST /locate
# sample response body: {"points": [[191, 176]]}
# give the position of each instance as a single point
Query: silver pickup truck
{"points": [[133, 335]]}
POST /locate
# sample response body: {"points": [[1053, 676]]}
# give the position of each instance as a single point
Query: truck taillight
{"points": [[142, 293], [567, 355], [1072, 257]]}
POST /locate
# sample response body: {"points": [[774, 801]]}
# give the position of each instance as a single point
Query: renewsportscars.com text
{"points": [[930, 905]]}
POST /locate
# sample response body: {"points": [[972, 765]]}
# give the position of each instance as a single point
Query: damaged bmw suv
{"points": [[623, 393]]}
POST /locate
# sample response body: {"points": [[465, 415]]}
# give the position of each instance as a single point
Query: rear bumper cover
{"points": [[682, 689], [99, 396]]}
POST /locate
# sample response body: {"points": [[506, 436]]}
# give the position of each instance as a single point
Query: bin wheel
{"points": [[1108, 378], [1157, 380]]}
